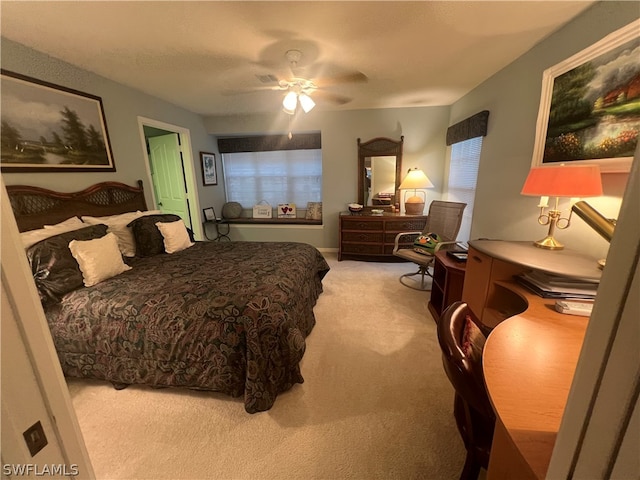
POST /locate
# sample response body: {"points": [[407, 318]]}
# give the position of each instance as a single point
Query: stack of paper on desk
{"points": [[548, 285]]}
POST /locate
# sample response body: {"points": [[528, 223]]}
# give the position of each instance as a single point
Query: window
{"points": [[463, 174], [285, 176], [273, 168]]}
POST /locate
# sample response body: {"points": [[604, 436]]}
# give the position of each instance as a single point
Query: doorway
{"points": [[170, 169]]}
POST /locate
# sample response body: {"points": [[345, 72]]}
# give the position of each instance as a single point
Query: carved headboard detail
{"points": [[35, 207]]}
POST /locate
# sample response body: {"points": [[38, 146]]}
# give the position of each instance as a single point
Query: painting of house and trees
{"points": [[595, 108]]}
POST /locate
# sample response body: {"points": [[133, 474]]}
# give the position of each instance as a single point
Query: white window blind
{"points": [[283, 176], [463, 175]]}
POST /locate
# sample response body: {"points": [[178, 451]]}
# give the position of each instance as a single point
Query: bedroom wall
{"points": [[122, 106], [513, 96], [424, 131]]}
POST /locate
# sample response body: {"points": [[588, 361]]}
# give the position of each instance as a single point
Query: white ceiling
{"points": [[194, 54]]}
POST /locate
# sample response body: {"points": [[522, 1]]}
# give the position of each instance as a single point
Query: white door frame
{"points": [[41, 393], [188, 165]]}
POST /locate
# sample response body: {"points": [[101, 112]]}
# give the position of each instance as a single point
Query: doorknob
{"points": [[160, 204]]}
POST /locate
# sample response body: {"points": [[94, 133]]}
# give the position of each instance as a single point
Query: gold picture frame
{"points": [[590, 105]]}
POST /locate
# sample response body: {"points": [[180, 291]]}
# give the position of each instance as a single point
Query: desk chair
{"points": [[444, 218], [461, 342]]}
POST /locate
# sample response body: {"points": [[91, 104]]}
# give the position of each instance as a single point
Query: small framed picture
{"points": [[209, 214], [209, 176]]}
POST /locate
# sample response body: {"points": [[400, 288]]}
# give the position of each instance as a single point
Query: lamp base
{"points": [[549, 243], [416, 208]]}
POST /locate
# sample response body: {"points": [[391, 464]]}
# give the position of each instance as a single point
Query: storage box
{"points": [[262, 210], [286, 210]]}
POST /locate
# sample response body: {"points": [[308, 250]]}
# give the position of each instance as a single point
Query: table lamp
{"points": [[560, 181], [415, 180]]}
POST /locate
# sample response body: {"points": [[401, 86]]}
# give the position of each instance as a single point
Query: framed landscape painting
{"points": [[590, 105], [49, 128]]}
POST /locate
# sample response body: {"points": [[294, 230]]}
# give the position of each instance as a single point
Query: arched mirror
{"points": [[379, 171]]}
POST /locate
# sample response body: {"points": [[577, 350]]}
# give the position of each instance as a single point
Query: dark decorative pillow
{"points": [[54, 269], [149, 240]]}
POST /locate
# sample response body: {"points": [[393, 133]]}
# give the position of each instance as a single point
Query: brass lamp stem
{"points": [[549, 242], [553, 219]]}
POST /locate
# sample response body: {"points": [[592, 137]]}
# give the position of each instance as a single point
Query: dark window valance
{"points": [[270, 143], [472, 127]]}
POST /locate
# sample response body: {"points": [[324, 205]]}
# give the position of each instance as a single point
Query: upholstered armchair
{"points": [[444, 219]]}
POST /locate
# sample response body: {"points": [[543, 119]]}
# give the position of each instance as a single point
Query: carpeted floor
{"points": [[375, 402]]}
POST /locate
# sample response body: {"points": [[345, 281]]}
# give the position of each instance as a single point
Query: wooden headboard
{"points": [[35, 207]]}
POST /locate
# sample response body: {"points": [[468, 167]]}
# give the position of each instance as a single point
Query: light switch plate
{"points": [[35, 438]]}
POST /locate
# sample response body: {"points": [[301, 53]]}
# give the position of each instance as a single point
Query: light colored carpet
{"points": [[375, 402]]}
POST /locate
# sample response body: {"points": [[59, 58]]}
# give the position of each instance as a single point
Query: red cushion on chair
{"points": [[472, 341]]}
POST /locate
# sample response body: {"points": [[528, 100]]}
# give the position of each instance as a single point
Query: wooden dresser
{"points": [[371, 237]]}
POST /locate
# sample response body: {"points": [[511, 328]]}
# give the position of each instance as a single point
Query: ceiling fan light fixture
{"points": [[290, 102], [306, 102]]}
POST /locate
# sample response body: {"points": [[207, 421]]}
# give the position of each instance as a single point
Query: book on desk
{"points": [[548, 285], [459, 251]]}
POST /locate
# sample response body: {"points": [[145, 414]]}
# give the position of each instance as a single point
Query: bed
{"points": [[229, 317]]}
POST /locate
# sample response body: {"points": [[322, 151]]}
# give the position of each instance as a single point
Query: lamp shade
{"points": [[306, 102], [414, 179], [290, 102], [563, 181]]}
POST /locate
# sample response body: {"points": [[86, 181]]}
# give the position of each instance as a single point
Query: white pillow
{"points": [[99, 259], [117, 224], [69, 221], [175, 236], [32, 237]]}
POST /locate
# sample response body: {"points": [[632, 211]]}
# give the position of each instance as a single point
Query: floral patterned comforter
{"points": [[229, 317]]}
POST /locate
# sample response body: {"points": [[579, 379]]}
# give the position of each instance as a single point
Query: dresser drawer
{"points": [[362, 237], [362, 248], [390, 237], [405, 225], [355, 224]]}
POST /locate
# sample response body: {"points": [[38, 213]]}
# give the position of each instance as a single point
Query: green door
{"points": [[167, 174]]}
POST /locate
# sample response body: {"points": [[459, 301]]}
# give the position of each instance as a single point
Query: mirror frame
{"points": [[379, 147]]}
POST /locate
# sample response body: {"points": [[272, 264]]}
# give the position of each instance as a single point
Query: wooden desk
{"points": [[531, 353], [528, 363], [446, 287]]}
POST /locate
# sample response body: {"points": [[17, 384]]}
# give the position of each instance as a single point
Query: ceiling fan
{"points": [[298, 89], [303, 84]]}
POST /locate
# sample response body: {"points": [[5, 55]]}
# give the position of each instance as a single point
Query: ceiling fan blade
{"points": [[244, 91], [329, 74], [331, 97], [349, 77]]}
